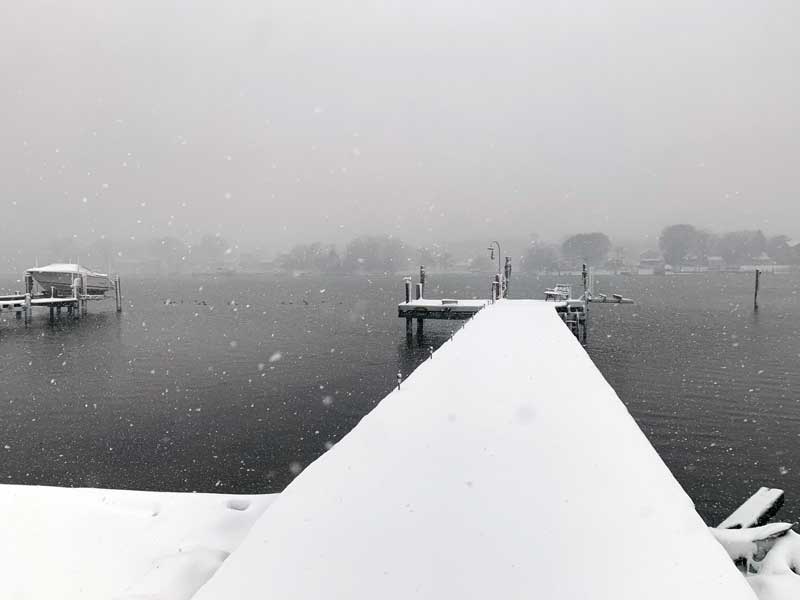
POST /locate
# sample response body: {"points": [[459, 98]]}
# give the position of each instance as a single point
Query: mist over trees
{"points": [[369, 254], [541, 256], [589, 248], [676, 242], [316, 256], [682, 246]]}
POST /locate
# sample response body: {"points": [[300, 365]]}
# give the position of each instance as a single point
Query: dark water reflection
{"points": [[234, 384]]}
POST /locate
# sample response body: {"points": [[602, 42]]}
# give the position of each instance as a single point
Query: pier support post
{"points": [[420, 327], [422, 279], [28, 283], [409, 327], [755, 295], [84, 292], [76, 295], [408, 289], [28, 307], [419, 291], [52, 314], [118, 293], [507, 274]]}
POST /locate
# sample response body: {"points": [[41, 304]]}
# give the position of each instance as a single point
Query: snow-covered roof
{"points": [[504, 467], [58, 268], [64, 268]]}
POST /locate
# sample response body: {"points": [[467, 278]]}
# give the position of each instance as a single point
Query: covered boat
{"points": [[58, 278]]}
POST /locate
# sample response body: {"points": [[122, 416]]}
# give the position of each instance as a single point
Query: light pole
{"points": [[499, 253]]}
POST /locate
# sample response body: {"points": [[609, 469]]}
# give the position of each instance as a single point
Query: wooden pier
{"points": [[421, 308], [573, 311]]}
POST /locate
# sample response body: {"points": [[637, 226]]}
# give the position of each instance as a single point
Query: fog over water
{"points": [[277, 122]]}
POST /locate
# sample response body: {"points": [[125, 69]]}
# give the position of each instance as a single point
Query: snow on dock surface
{"points": [[89, 544], [505, 467]]}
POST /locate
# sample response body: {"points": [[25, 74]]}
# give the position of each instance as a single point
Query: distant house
{"points": [[651, 263], [716, 263], [761, 260]]}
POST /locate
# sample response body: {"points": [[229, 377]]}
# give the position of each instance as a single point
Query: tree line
{"points": [[684, 245], [369, 254], [591, 249], [680, 245]]}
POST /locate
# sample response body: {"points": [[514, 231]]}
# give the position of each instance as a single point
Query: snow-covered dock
{"points": [[440, 309], [505, 467]]}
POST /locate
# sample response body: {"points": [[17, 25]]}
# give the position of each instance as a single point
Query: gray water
{"points": [[234, 384]]}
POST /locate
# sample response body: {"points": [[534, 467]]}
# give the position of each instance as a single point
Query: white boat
{"points": [[58, 278], [560, 293]]}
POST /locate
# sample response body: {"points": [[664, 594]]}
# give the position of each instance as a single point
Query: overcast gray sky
{"points": [[277, 122]]}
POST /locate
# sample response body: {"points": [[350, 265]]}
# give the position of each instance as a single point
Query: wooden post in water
{"points": [[118, 293], [28, 283], [422, 278], [755, 295], [85, 292], [420, 320], [52, 313], [76, 295], [409, 329], [28, 308], [507, 274]]}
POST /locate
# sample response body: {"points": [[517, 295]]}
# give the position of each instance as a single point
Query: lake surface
{"points": [[234, 384]]}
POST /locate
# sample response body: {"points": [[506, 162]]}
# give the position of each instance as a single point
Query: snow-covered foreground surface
{"points": [[92, 544], [505, 467]]}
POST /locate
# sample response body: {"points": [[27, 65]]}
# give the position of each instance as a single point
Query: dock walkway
{"points": [[505, 467]]}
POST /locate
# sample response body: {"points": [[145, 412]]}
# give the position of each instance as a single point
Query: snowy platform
{"points": [[505, 467], [424, 308], [88, 544]]}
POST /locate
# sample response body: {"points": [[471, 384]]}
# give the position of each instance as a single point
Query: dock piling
{"points": [[507, 275], [28, 311], [85, 292], [76, 295], [422, 279], [755, 294], [118, 293]]}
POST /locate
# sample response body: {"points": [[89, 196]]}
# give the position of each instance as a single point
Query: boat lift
{"points": [[76, 304]]}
